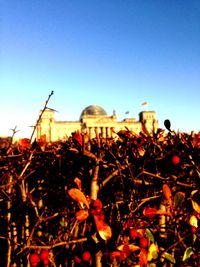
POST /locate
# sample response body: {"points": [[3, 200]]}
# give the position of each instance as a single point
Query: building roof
{"points": [[93, 110]]}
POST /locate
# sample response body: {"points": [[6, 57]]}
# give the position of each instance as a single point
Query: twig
{"points": [[40, 220], [110, 177], [45, 106], [64, 243], [153, 175], [11, 140], [143, 202]]}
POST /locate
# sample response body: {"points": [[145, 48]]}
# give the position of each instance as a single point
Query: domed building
{"points": [[93, 118]]}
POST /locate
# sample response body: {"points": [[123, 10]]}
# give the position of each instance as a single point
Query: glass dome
{"points": [[93, 110]]}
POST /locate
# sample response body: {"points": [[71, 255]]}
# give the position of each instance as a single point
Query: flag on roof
{"points": [[144, 104]]}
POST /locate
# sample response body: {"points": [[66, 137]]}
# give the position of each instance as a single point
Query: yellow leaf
{"points": [[152, 252], [195, 206], [78, 196], [193, 221], [103, 228]]}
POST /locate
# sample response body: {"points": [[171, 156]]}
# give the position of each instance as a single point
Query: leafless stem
{"points": [[45, 106], [64, 243], [153, 175], [94, 183], [10, 144]]}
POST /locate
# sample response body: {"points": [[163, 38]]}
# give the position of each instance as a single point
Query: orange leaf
{"points": [[167, 193], [115, 254], [78, 196], [77, 181], [152, 212], [127, 249], [77, 138], [103, 228], [81, 215], [143, 258]]}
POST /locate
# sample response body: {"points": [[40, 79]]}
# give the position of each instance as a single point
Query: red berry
{"points": [[97, 204], [193, 229], [34, 259], [143, 242], [86, 256], [46, 262], [44, 255], [133, 233], [175, 159]]}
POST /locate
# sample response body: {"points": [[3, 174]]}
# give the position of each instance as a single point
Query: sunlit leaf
{"points": [[78, 196], [195, 206], [128, 248], [169, 257], [179, 199], [188, 252], [152, 252], [149, 234], [103, 228], [193, 221]]}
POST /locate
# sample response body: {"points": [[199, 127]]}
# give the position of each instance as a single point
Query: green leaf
{"points": [[169, 257], [178, 199], [149, 235], [188, 252]]}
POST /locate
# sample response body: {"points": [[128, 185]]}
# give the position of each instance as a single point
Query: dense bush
{"points": [[128, 201]]}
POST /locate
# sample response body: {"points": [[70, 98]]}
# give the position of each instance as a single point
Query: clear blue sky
{"points": [[114, 53]]}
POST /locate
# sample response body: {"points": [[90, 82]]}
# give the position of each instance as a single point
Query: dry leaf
{"points": [[78, 196], [167, 193], [103, 228], [81, 215]]}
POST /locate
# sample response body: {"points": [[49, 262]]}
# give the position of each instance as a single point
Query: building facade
{"points": [[93, 118]]}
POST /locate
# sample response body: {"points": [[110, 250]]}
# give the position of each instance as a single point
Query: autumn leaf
{"points": [[195, 198], [78, 196], [149, 235], [193, 221], [77, 138], [169, 257], [143, 258], [81, 215], [152, 212], [167, 193], [188, 252], [77, 181], [152, 252], [127, 249], [103, 228]]}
